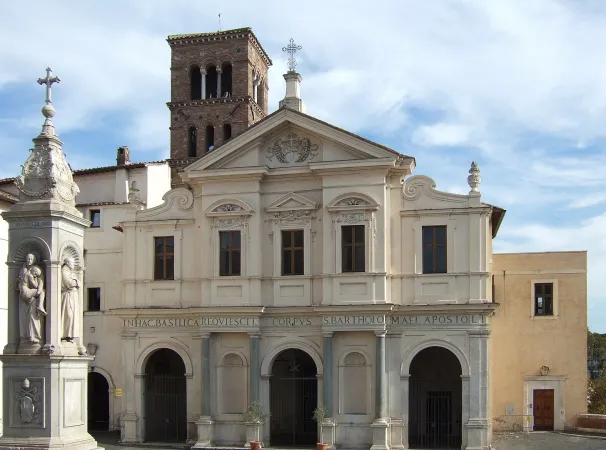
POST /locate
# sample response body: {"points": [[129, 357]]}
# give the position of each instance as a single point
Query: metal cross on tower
{"points": [[291, 49], [48, 81]]}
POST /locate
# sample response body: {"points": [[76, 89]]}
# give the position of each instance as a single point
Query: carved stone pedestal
{"points": [[380, 435], [45, 403], [329, 434], [205, 432]]}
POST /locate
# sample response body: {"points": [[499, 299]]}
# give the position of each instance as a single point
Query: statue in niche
{"points": [[30, 285], [69, 300]]}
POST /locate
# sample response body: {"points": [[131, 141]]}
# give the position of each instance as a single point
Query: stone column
{"points": [[255, 370], [203, 81], [478, 423], [205, 422], [327, 399], [219, 71], [380, 426], [381, 385]]}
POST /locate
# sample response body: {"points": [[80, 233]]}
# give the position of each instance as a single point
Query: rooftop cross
{"points": [[48, 81], [291, 49]]}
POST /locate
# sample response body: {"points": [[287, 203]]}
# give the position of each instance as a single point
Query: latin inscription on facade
{"points": [[354, 320], [469, 319], [304, 321], [192, 322]]}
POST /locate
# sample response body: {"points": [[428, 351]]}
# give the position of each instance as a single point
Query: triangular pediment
{"points": [[291, 202], [290, 139]]}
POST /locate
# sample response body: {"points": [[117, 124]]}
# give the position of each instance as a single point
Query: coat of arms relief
{"points": [[28, 397], [292, 149]]}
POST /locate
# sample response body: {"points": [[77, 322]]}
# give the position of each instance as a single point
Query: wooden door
{"points": [[542, 409]]}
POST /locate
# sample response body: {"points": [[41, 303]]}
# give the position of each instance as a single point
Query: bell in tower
{"points": [[218, 89]]}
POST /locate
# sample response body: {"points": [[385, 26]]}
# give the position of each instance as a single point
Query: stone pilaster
{"points": [[205, 422], [478, 424], [129, 419], [380, 426]]}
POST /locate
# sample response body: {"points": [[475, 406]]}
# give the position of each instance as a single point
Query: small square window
{"points": [[95, 218], [94, 299], [543, 299]]}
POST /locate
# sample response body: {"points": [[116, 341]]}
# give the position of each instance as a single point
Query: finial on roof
{"points": [[474, 179], [46, 174], [47, 110], [291, 49]]}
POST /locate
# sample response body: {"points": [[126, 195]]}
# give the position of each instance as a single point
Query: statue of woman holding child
{"points": [[30, 285]]}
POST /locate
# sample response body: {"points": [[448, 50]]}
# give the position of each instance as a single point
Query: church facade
{"points": [[296, 264]]}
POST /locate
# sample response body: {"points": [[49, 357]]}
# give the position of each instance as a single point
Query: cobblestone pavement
{"points": [[505, 441], [546, 441]]}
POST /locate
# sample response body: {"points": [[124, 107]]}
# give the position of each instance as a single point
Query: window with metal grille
{"points": [[434, 249], [543, 299], [230, 251], [164, 264], [94, 299], [292, 252], [353, 251]]}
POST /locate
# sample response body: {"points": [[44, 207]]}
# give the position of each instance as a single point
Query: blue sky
{"points": [[518, 86]]}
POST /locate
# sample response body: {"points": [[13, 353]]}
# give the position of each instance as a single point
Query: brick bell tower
{"points": [[218, 89]]}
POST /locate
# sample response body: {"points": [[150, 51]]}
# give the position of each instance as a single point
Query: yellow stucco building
{"points": [[539, 340]]}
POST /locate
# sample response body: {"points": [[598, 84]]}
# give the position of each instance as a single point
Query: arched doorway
{"points": [[293, 388], [98, 402], [165, 397], [435, 400]]}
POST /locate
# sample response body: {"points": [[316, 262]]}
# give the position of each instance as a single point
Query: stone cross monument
{"points": [[45, 361]]}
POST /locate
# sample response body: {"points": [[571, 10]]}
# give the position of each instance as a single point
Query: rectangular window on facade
{"points": [[434, 249], [94, 299], [543, 299], [164, 264], [292, 252], [95, 218], [230, 252], [353, 248]]}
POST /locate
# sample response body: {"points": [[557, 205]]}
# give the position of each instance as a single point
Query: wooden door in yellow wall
{"points": [[542, 409]]}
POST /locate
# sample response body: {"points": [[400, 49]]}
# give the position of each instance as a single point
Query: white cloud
{"points": [[442, 134]]}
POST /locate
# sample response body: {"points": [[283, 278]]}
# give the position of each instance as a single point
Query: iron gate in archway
{"points": [[435, 400], [294, 396], [165, 398]]}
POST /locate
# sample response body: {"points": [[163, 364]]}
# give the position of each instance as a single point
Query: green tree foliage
{"points": [[596, 346], [596, 391], [597, 395]]}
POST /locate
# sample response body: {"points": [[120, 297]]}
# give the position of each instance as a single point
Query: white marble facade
{"points": [[359, 331]]}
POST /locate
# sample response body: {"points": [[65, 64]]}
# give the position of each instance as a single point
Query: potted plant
{"points": [[254, 416], [321, 416]]}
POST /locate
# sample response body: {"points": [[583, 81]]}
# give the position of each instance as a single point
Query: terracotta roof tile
{"points": [[8, 197]]}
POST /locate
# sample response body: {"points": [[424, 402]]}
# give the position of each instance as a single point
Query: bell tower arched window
{"points": [[211, 82], [210, 138], [195, 82], [226, 77], [226, 131], [192, 138], [261, 94]]}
